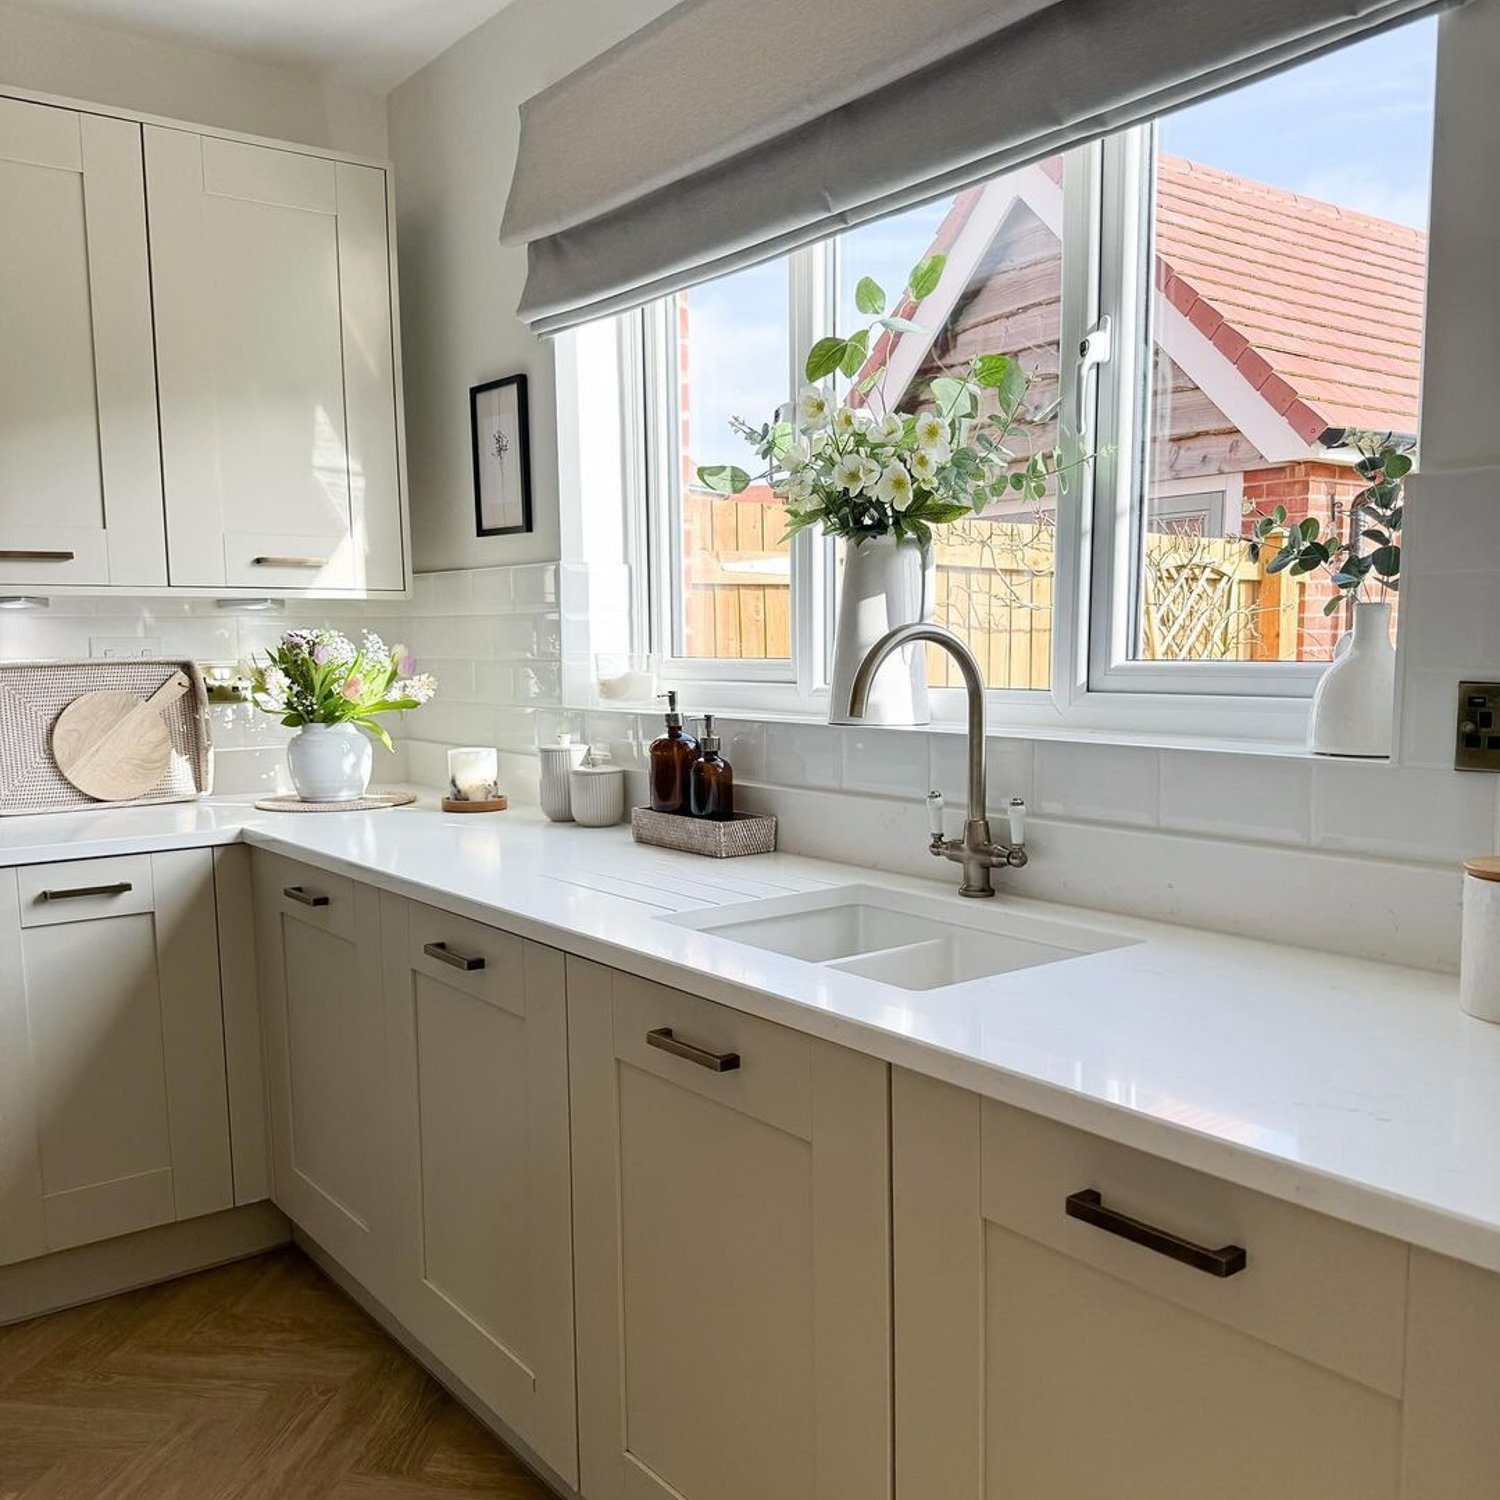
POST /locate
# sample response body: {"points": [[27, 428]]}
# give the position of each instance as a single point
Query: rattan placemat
{"points": [[368, 803]]}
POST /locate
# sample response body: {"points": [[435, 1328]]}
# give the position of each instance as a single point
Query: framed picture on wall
{"points": [[502, 459]]}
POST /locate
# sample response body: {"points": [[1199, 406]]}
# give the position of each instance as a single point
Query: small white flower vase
{"points": [[886, 583], [1353, 707], [330, 762]]}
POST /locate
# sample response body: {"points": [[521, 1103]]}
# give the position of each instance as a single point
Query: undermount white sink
{"points": [[912, 941]]}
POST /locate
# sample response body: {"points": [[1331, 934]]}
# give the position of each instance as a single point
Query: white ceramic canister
{"points": [[1479, 952], [558, 762], [598, 790]]}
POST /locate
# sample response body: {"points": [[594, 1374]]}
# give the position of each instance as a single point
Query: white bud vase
{"points": [[329, 762], [886, 583], [1352, 709]]}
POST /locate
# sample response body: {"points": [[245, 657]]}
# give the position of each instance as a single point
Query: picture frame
{"points": [[499, 437]]}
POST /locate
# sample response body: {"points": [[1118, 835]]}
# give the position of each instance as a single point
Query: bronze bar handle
{"points": [[289, 562], [468, 962], [300, 893], [1088, 1205], [716, 1062], [117, 889], [30, 554]]}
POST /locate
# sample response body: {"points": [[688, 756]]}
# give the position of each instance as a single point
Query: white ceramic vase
{"points": [[886, 583], [1352, 709], [330, 762]]}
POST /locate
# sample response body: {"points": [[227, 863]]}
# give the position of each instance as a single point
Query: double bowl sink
{"points": [[910, 940]]}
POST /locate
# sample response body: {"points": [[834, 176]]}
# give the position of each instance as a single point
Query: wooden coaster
{"points": [[493, 804], [370, 802]]}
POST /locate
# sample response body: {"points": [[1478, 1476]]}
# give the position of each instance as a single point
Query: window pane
{"points": [[1001, 294], [1288, 271], [733, 360]]}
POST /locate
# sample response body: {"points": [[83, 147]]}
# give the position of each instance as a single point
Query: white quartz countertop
{"points": [[1356, 1088]]}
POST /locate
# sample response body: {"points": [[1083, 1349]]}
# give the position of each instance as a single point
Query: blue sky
{"points": [[1353, 128]]}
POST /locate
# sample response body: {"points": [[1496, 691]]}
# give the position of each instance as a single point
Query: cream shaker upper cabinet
{"points": [[271, 276], [80, 477]]}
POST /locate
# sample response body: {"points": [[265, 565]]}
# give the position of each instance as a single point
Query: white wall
{"points": [[453, 139], [52, 54]]}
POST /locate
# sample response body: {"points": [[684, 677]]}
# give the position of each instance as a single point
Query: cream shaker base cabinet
{"points": [[482, 1256], [1041, 1356], [113, 1108], [318, 943], [80, 476], [731, 1197]]}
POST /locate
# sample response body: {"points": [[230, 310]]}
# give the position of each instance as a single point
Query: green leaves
{"points": [[925, 276], [1003, 375], [824, 358], [724, 479], [954, 398], [843, 355], [869, 298]]}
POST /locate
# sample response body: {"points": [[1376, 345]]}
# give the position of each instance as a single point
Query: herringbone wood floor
{"points": [[257, 1381]]}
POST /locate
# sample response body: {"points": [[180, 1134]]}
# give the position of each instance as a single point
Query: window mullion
{"points": [[810, 311]]}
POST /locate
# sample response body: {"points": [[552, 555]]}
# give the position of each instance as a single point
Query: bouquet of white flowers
{"points": [[321, 677], [860, 469]]}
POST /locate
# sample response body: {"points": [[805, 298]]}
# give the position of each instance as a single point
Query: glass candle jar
{"points": [[473, 773]]}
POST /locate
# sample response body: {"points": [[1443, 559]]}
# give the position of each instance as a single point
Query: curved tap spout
{"points": [[907, 635]]}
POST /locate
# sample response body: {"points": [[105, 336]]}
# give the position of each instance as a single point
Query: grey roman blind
{"points": [[729, 131]]}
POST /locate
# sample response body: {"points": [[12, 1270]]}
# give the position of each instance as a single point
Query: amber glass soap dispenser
{"points": [[712, 778], [672, 759]]}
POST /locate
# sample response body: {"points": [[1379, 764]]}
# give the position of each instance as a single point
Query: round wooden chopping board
{"points": [[114, 746]]}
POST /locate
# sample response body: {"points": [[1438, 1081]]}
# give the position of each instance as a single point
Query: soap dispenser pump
{"points": [[672, 760], [712, 778]]}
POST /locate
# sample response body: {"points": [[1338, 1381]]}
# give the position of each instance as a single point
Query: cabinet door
{"points": [[477, 1031], [125, 1118], [1040, 1358], [318, 940], [80, 476], [732, 1252], [271, 276]]}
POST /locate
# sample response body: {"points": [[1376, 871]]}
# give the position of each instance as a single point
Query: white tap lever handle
{"points": [[1017, 814], [935, 813]]}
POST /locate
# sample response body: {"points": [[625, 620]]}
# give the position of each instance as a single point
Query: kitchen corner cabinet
{"points": [[731, 1231], [482, 1255], [113, 1107], [214, 404], [80, 476], [318, 956]]}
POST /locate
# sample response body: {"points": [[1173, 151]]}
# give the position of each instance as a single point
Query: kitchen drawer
{"points": [[316, 897], [468, 956], [771, 1081], [1319, 1288], [80, 890]]}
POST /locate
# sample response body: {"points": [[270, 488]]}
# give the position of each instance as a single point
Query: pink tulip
{"points": [[353, 688], [320, 655], [406, 666]]}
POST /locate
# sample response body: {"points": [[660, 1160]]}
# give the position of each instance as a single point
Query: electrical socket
{"points": [[1477, 747], [123, 647]]}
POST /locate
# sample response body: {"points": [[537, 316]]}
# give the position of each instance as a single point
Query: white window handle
{"points": [[1096, 348]]}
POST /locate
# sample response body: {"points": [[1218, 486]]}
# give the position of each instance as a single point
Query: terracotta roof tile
{"points": [[1328, 302]]}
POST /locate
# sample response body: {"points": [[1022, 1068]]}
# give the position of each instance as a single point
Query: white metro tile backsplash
{"points": [[1217, 839]]}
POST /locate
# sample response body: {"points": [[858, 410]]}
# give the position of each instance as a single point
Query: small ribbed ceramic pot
{"points": [[598, 795], [558, 762]]}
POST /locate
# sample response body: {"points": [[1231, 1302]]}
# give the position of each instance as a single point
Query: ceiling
{"points": [[372, 43]]}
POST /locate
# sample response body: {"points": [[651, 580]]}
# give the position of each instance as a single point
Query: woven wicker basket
{"points": [[745, 833], [34, 693]]}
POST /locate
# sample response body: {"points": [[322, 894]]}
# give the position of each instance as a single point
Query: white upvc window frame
{"points": [[1095, 685]]}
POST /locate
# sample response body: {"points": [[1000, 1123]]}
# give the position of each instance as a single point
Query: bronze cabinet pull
{"points": [[305, 897], [468, 962], [289, 562], [35, 554], [663, 1039], [1088, 1205], [117, 889]]}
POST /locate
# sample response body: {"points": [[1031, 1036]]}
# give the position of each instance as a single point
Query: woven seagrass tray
{"points": [[744, 833], [34, 693]]}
